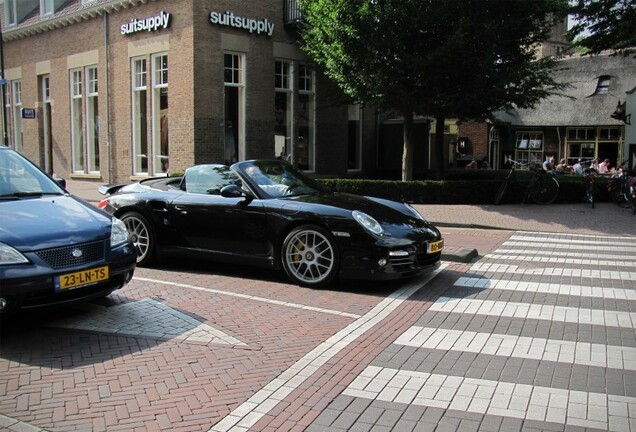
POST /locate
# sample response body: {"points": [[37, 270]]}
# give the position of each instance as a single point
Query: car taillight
{"points": [[103, 203]]}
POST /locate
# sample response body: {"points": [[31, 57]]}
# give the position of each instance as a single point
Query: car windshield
{"points": [[209, 179], [276, 179], [19, 178]]}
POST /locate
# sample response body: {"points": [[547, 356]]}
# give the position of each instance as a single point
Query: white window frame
{"points": [[285, 86], [46, 8], [238, 81], [603, 84], [92, 129], [77, 133], [529, 146], [159, 82], [139, 80], [16, 102], [306, 78], [11, 12], [45, 81]]}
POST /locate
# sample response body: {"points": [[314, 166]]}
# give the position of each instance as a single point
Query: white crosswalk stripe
{"points": [[535, 311], [575, 408], [583, 353], [547, 288], [483, 267], [545, 258]]}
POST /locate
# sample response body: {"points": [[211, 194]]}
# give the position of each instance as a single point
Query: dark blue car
{"points": [[55, 248]]}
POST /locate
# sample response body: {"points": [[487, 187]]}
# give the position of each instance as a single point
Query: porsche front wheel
{"points": [[309, 256], [142, 236]]}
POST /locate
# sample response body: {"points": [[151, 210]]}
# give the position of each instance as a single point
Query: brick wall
{"points": [[477, 132], [195, 50]]}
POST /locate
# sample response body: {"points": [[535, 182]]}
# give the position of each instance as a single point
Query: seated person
{"points": [[578, 167], [548, 165], [266, 184], [603, 167], [563, 167]]}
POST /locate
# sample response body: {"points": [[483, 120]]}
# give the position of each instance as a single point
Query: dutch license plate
{"points": [[81, 278], [435, 246]]}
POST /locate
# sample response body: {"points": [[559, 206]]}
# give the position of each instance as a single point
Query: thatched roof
{"points": [[581, 106]]}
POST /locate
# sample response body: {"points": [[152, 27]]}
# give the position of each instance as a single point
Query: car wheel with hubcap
{"points": [[310, 256], [142, 235]]}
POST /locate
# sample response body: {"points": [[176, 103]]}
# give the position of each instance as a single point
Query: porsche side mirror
{"points": [[234, 191]]}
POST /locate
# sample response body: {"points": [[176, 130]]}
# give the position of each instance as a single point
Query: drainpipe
{"points": [[107, 119]]}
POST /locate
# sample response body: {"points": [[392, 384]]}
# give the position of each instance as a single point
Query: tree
{"points": [[442, 58], [604, 24]]}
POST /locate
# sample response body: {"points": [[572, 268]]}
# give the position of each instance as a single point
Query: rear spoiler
{"points": [[110, 189]]}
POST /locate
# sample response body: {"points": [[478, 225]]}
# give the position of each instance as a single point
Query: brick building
{"points": [[115, 90]]}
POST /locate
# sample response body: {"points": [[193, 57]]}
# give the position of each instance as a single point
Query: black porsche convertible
{"points": [[268, 213]]}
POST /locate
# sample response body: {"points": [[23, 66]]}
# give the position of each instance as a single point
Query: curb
{"points": [[458, 254]]}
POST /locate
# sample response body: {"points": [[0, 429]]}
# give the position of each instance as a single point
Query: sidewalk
{"points": [[606, 218]]}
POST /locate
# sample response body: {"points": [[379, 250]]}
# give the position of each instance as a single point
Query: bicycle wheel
{"points": [[621, 197], [543, 190], [501, 192], [589, 191]]}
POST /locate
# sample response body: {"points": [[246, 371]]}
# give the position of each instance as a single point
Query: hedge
{"points": [[474, 187]]}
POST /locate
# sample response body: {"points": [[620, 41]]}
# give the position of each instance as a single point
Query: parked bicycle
{"points": [[622, 188], [589, 176], [542, 188]]}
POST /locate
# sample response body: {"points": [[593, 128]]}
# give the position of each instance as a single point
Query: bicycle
{"points": [[622, 188], [589, 175], [543, 188]]}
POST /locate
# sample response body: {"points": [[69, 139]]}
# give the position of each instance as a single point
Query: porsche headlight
{"points": [[367, 222], [118, 233], [414, 212], [9, 255]]}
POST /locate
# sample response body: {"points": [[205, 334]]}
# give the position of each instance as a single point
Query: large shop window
{"points": [[590, 143], [160, 118], [304, 155], [14, 117], [581, 144], [84, 125], [150, 122], [283, 109], [140, 116], [529, 148], [234, 79]]}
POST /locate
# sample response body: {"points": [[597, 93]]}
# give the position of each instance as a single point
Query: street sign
{"points": [[28, 113]]}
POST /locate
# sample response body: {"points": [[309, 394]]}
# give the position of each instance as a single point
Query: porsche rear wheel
{"points": [[142, 235], [309, 256]]}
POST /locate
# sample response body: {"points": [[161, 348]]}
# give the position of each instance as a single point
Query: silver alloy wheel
{"points": [[140, 233], [309, 256]]}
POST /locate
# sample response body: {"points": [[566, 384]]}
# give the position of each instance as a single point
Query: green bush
{"points": [[461, 187]]}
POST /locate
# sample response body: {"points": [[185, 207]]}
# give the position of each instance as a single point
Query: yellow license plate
{"points": [[435, 246], [81, 278]]}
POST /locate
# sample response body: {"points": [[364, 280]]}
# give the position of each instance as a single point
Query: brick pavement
{"points": [[305, 352]]}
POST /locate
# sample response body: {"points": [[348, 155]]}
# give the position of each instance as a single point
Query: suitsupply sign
{"points": [[252, 25], [154, 23]]}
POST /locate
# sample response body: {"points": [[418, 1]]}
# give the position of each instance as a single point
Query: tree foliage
{"points": [[604, 24], [441, 58]]}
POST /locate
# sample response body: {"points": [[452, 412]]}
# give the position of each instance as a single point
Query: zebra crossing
{"points": [[537, 335]]}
